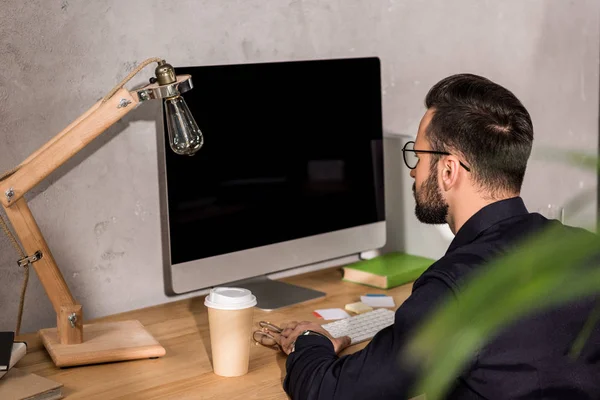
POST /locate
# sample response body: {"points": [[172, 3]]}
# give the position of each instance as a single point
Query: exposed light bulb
{"points": [[185, 137]]}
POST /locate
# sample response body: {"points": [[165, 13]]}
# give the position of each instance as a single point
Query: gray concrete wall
{"points": [[100, 212]]}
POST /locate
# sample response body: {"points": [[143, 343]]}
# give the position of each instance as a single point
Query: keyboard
{"points": [[361, 327]]}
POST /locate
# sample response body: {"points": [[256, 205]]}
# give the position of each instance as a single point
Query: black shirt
{"points": [[528, 360]]}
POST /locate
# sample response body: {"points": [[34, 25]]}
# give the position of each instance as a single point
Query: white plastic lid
{"points": [[229, 298]]}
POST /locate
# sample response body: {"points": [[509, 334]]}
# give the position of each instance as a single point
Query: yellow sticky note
{"points": [[358, 308]]}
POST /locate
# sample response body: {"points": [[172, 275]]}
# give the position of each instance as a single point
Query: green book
{"points": [[387, 270]]}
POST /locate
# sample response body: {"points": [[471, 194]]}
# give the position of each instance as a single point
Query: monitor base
{"points": [[272, 295]]}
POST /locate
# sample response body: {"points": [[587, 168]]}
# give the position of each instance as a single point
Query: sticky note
{"points": [[331, 313], [378, 301], [358, 307]]}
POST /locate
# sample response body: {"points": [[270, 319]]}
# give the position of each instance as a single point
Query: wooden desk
{"points": [[185, 372]]}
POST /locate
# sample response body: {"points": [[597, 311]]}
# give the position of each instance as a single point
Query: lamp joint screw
{"points": [[26, 261], [144, 96], [124, 103], [72, 319], [10, 193]]}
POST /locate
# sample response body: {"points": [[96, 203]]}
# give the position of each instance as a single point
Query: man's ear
{"points": [[450, 171]]}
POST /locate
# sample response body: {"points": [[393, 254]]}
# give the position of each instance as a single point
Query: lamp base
{"points": [[103, 343]]}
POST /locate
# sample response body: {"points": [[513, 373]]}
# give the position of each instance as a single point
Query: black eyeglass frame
{"points": [[404, 150]]}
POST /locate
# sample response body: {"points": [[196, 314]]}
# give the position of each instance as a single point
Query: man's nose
{"points": [[412, 173]]}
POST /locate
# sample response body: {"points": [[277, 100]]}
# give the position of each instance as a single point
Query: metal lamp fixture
{"points": [[185, 137]]}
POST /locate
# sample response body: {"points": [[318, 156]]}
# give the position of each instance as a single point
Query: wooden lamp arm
{"points": [[65, 145], [63, 132], [32, 171], [32, 240]]}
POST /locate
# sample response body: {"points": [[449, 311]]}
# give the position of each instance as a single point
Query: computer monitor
{"points": [[290, 174]]}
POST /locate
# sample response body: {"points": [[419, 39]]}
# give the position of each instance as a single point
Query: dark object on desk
{"points": [[6, 345], [388, 270], [21, 385], [19, 349]]}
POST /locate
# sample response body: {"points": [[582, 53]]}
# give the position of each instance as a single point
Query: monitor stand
{"points": [[272, 295]]}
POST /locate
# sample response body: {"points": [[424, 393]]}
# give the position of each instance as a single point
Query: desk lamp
{"points": [[71, 342]]}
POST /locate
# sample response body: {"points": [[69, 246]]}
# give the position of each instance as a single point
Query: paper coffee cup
{"points": [[230, 312]]}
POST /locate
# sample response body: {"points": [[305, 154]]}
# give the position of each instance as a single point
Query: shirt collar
{"points": [[485, 218]]}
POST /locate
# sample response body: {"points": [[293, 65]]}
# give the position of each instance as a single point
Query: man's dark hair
{"points": [[484, 123]]}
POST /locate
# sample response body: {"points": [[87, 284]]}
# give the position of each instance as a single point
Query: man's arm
{"points": [[315, 372]]}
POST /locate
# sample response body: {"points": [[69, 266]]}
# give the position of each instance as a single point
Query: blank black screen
{"points": [[291, 149]]}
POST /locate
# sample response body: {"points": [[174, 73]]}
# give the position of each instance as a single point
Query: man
{"points": [[468, 163]]}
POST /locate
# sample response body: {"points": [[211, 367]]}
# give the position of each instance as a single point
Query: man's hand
{"points": [[293, 329]]}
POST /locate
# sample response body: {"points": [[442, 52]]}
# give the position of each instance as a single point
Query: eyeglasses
{"points": [[410, 155], [264, 335]]}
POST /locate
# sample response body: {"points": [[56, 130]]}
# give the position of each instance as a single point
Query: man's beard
{"points": [[433, 209]]}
